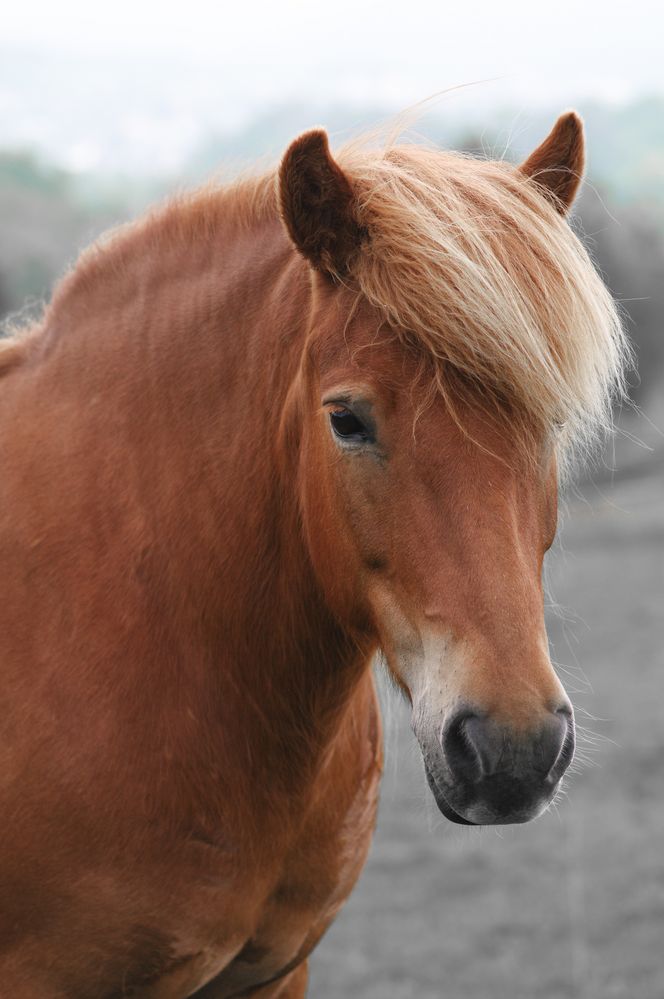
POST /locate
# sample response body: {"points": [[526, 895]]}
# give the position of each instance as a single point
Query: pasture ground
{"points": [[571, 906]]}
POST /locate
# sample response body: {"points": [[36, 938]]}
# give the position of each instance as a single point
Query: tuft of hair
{"points": [[469, 261]]}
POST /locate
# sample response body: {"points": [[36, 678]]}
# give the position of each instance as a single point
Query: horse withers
{"points": [[256, 437]]}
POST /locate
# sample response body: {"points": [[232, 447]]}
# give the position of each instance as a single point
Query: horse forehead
{"points": [[349, 330], [376, 360], [475, 478], [456, 433]]}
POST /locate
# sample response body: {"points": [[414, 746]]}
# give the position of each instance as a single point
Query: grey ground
{"points": [[573, 904]]}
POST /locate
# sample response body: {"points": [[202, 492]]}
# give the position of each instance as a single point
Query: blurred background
{"points": [[106, 108]]}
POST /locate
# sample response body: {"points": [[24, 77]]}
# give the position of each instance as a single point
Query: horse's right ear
{"points": [[317, 205], [557, 165]]}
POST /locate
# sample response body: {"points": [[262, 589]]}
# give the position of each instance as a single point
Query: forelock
{"points": [[470, 264]]}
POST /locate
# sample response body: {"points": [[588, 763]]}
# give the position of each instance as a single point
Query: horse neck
{"points": [[191, 368]]}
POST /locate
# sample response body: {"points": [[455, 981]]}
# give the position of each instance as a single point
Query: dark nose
{"points": [[476, 747]]}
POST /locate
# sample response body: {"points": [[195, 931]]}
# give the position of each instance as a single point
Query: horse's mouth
{"points": [[442, 802], [503, 804]]}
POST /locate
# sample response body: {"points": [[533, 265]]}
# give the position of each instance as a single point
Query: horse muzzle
{"points": [[482, 772]]}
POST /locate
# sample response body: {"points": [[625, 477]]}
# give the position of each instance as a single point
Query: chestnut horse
{"points": [[255, 438]]}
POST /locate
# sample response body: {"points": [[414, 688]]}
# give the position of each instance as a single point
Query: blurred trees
{"points": [[43, 226]]}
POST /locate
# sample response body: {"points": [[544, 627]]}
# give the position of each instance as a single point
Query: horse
{"points": [[257, 437]]}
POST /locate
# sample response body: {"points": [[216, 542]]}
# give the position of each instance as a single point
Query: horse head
{"points": [[459, 343]]}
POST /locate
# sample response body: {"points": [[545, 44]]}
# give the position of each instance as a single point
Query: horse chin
{"points": [[443, 804], [490, 813]]}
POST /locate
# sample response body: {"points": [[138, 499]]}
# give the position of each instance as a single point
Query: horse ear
{"points": [[557, 165], [317, 205]]}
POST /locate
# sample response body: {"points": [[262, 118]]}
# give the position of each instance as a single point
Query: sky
{"points": [[159, 74]]}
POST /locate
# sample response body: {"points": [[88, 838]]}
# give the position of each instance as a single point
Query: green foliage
{"points": [[22, 169], [44, 225]]}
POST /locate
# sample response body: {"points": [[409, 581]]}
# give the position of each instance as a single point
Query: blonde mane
{"points": [[469, 261]]}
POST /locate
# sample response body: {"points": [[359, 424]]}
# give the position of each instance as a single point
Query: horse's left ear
{"points": [[317, 205], [557, 165]]}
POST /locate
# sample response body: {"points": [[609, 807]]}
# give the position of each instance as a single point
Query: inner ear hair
{"points": [[317, 205], [557, 165]]}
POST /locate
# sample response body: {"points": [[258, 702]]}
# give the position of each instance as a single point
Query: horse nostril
{"points": [[555, 745], [477, 747], [558, 743], [460, 746]]}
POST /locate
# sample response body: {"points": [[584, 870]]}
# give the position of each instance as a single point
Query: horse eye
{"points": [[347, 427]]}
